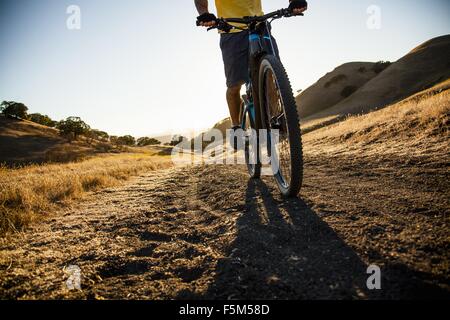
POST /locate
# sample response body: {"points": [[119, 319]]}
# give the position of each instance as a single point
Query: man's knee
{"points": [[233, 90]]}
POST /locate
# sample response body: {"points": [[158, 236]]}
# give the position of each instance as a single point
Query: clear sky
{"points": [[141, 67]]}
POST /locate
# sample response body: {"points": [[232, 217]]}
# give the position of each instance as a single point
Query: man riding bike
{"points": [[235, 46]]}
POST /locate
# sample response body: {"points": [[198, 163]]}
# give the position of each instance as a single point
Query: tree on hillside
{"points": [[126, 140], [95, 134], [42, 119], [380, 66], [146, 141], [72, 127], [14, 109], [114, 140]]}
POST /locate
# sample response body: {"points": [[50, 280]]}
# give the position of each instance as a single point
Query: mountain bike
{"points": [[269, 105]]}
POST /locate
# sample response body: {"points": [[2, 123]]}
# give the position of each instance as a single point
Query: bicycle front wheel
{"points": [[280, 118]]}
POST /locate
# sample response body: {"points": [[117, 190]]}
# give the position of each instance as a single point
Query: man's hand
{"points": [[298, 6], [207, 20]]}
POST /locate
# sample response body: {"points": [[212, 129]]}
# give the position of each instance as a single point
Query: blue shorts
{"points": [[235, 52]]}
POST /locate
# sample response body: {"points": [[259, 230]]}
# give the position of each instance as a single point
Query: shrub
{"points": [[362, 70], [42, 119], [113, 139], [94, 134], [126, 141], [335, 79], [380, 66], [348, 91], [146, 141]]}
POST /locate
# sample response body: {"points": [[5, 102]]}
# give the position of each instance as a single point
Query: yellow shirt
{"points": [[238, 9]]}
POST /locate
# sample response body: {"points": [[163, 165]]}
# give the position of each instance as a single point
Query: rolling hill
{"points": [[24, 142], [423, 67], [334, 87], [361, 87]]}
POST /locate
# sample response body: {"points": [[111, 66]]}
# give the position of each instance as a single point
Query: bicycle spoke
{"points": [[251, 148], [281, 155]]}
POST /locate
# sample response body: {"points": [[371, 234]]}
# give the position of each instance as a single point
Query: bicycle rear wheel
{"points": [[280, 117], [251, 141]]}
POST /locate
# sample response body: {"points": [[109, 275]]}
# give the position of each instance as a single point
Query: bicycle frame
{"points": [[260, 44]]}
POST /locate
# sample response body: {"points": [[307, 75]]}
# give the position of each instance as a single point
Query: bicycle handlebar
{"points": [[224, 23]]}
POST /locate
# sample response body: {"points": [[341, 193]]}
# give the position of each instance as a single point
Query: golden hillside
{"points": [[24, 142], [420, 69], [334, 87], [416, 126]]}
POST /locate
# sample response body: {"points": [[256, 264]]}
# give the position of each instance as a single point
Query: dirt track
{"points": [[209, 232]]}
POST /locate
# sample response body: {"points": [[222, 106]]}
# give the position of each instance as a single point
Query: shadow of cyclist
{"points": [[283, 250]]}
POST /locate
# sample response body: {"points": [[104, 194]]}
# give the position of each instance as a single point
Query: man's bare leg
{"points": [[234, 104]]}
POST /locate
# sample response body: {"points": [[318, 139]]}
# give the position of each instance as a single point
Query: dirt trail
{"points": [[208, 232]]}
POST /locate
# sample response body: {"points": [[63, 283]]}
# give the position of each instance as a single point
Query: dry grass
{"points": [[425, 116], [416, 71], [29, 193]]}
